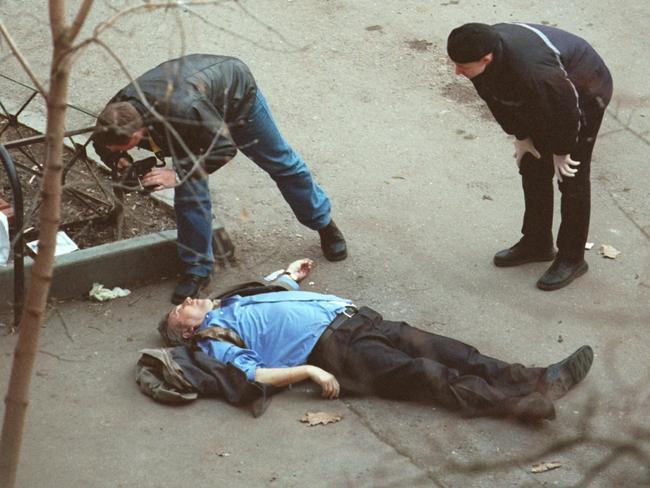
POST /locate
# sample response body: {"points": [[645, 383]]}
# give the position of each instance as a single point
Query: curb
{"points": [[123, 263]]}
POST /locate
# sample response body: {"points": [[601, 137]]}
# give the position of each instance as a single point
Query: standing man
{"points": [[198, 110], [548, 88]]}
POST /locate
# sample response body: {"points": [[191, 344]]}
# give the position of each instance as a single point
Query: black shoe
{"points": [[332, 242], [521, 254], [561, 273], [561, 377], [189, 286], [533, 407]]}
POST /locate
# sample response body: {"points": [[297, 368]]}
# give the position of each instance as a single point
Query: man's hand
{"points": [[524, 146], [326, 381], [159, 178], [564, 166], [299, 270]]}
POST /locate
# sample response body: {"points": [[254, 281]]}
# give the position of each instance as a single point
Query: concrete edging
{"points": [[122, 263]]}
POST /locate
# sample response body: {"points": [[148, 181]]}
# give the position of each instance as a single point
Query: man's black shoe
{"points": [[522, 254], [189, 286], [332, 242], [561, 377], [561, 273]]}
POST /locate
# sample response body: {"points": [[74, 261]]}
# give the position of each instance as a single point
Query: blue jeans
{"points": [[260, 140]]}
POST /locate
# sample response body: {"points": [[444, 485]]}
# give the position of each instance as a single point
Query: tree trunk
{"points": [[31, 322]]}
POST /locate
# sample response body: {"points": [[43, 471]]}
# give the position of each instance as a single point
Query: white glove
{"points": [[522, 147], [563, 166]]}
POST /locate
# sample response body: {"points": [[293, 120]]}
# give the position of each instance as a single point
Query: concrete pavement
{"points": [[425, 189]]}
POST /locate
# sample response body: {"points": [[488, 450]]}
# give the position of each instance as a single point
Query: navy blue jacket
{"points": [[541, 83]]}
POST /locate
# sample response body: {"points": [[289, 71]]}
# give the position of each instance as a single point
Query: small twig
{"points": [[22, 60]]}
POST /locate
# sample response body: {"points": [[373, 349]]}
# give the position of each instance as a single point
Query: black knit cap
{"points": [[470, 42]]}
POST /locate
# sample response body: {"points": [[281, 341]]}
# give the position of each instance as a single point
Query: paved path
{"points": [[425, 189]]}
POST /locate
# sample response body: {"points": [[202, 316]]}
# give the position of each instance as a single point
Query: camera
{"points": [[131, 178]]}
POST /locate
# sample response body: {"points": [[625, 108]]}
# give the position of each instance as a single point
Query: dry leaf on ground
{"points": [[324, 418], [609, 251], [545, 466]]}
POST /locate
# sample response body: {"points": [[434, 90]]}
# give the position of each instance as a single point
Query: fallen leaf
{"points": [[545, 466], [609, 251], [324, 418]]}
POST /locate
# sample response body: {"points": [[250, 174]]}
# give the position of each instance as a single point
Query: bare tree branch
{"points": [[21, 59], [80, 19], [154, 6]]}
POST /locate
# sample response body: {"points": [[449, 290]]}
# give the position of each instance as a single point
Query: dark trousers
{"points": [[394, 360], [537, 181]]}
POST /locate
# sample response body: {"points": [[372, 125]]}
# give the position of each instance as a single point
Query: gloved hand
{"points": [[522, 147], [563, 166]]}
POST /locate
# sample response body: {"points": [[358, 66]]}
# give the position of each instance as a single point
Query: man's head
{"points": [[471, 48], [179, 324], [119, 127]]}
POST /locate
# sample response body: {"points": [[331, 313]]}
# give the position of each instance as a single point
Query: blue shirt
{"points": [[280, 329]]}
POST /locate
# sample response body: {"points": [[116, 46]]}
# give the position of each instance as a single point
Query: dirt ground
{"points": [[88, 199]]}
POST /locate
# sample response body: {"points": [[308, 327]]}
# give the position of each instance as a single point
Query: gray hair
{"points": [[171, 336]]}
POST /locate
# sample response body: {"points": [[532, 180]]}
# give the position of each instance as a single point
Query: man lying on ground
{"points": [[284, 337]]}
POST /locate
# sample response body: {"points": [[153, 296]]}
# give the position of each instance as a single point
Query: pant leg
{"points": [[576, 191], [261, 141], [517, 379], [537, 183], [193, 207], [365, 360]]}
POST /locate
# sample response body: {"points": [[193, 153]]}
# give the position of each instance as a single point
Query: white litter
{"points": [[100, 293], [5, 242], [64, 244], [609, 251], [589, 245]]}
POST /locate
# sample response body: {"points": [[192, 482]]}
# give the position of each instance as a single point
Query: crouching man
{"points": [[284, 337]]}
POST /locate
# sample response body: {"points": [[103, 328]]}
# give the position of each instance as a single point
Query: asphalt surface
{"points": [[425, 189]]}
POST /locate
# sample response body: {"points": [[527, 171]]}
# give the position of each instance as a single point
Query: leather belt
{"points": [[349, 312]]}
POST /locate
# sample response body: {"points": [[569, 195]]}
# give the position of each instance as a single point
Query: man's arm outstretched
{"points": [[286, 376]]}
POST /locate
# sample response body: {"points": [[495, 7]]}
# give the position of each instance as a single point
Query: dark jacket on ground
{"points": [[196, 94], [540, 82], [177, 375]]}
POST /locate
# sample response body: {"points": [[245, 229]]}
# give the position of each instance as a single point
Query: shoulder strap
{"points": [[252, 288], [218, 334]]}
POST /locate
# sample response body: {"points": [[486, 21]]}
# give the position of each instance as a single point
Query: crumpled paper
{"points": [[609, 251], [101, 294]]}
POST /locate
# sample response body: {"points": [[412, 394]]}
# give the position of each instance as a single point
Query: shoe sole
{"points": [[582, 270], [532, 259], [576, 366], [336, 257]]}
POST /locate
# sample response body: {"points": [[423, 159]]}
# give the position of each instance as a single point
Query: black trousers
{"points": [[537, 181], [394, 360]]}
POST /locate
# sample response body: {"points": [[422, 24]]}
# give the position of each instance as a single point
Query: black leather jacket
{"points": [[540, 82], [200, 96]]}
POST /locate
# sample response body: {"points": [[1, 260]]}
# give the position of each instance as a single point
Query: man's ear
{"points": [[487, 59], [187, 333]]}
